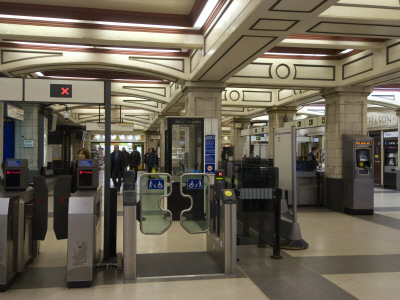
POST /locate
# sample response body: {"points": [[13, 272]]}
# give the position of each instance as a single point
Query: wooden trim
{"points": [[100, 27], [335, 38], [7, 45], [94, 14], [197, 9], [214, 14]]}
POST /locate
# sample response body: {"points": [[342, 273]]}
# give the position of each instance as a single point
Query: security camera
{"points": [[66, 115]]}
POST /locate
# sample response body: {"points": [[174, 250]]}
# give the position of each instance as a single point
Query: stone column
{"points": [[203, 99], [240, 143], [346, 113], [29, 130], [277, 117]]}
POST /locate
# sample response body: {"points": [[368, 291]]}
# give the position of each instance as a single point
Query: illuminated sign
{"points": [[12, 172], [299, 124], [219, 175], [363, 143], [61, 90], [310, 122], [85, 172], [323, 120]]}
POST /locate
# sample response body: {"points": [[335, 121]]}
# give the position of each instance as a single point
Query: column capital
{"points": [[364, 91], [203, 86], [280, 109]]}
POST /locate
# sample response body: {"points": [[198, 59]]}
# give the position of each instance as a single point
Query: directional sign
{"points": [[195, 184], [155, 184]]}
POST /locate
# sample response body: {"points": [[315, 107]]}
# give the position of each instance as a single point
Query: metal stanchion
{"points": [[129, 245], [277, 235]]}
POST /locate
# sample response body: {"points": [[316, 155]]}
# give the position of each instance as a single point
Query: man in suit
{"points": [[117, 167], [134, 161]]}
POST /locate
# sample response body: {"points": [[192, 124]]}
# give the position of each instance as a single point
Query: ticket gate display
{"points": [[88, 174], [155, 218], [358, 174], [16, 174]]}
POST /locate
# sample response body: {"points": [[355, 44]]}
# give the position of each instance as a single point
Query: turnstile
{"points": [[155, 218], [84, 236], [23, 222]]}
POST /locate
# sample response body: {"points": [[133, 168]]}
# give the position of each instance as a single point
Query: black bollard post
{"points": [[277, 235]]}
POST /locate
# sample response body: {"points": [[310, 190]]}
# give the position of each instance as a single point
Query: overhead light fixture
{"points": [[207, 10], [73, 78], [40, 74], [138, 49], [32, 18], [50, 44], [294, 54], [346, 51]]}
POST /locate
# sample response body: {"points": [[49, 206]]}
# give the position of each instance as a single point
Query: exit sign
{"points": [[61, 90]]}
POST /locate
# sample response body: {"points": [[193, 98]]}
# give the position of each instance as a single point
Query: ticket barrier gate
{"points": [[23, 222], [155, 218], [84, 236]]}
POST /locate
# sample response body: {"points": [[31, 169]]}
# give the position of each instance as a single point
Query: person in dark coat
{"points": [[117, 167], [126, 156], [151, 161], [312, 159], [134, 161]]}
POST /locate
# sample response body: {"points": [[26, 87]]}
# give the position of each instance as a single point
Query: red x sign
{"points": [[64, 91], [61, 90]]}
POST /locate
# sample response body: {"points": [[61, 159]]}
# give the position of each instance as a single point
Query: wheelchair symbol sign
{"points": [[155, 184], [193, 184]]}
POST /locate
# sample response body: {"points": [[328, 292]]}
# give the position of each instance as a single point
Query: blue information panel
{"points": [[155, 184], [195, 184], [209, 154]]}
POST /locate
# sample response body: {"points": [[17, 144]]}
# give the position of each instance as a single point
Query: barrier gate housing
{"points": [[156, 219]]}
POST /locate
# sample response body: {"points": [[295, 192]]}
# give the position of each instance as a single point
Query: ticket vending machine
{"points": [[16, 174], [358, 174]]}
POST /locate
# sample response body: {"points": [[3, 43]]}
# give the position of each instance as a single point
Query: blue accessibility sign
{"points": [[195, 184], [155, 184]]}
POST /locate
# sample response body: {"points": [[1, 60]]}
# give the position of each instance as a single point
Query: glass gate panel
{"points": [[155, 218], [196, 187]]}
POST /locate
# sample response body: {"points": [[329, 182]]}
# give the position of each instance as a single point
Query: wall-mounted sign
{"points": [[92, 126], [381, 120], [15, 112], [28, 143]]}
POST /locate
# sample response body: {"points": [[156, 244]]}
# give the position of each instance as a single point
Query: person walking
{"points": [[126, 157], [117, 167], [151, 161], [134, 161]]}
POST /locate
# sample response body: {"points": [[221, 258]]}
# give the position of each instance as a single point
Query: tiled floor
{"points": [[349, 257]]}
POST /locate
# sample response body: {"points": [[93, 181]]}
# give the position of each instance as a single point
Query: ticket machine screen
{"points": [[363, 157]]}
